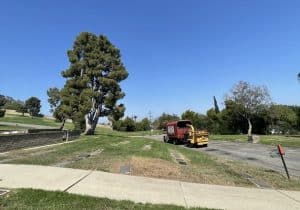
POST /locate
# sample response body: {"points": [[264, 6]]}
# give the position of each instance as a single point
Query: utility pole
{"points": [[150, 118]]}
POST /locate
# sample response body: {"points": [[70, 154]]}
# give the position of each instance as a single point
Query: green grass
{"points": [[241, 138], [40, 199], [119, 149], [109, 142], [283, 140], [11, 127], [264, 139], [143, 133], [33, 121], [29, 120]]}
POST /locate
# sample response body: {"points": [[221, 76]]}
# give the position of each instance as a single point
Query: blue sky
{"points": [[179, 54]]}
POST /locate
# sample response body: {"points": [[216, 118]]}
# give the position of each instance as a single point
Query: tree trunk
{"points": [[90, 125], [91, 119], [250, 139], [62, 125]]}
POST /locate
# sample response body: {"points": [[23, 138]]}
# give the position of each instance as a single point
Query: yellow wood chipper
{"points": [[197, 137]]}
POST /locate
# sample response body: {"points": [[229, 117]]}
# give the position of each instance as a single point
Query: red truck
{"points": [[182, 131]]}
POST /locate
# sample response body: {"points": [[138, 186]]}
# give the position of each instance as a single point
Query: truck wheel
{"points": [[175, 142], [190, 145], [187, 144], [165, 139]]}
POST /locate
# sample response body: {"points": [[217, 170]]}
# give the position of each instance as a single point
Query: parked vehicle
{"points": [[182, 131]]}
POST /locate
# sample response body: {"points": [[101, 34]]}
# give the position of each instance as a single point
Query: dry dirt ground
{"points": [[158, 168]]}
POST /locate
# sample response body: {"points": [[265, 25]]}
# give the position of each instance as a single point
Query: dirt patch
{"points": [[79, 157], [96, 152], [179, 158], [41, 152], [120, 166], [158, 168], [117, 165], [14, 155], [147, 147], [120, 143], [152, 167]]}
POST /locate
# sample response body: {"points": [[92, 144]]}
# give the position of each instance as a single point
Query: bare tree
{"points": [[250, 101]]}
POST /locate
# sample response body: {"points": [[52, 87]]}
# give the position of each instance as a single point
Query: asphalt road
{"points": [[254, 154]]}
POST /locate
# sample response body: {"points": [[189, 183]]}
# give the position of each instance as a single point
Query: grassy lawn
{"points": [[283, 140], [33, 121], [110, 151], [39, 199], [143, 133], [264, 139], [10, 127]]}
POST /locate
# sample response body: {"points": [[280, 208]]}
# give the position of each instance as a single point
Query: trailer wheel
{"points": [[188, 144], [165, 139]]}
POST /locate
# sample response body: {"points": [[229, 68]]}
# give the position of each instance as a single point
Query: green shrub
{"points": [[2, 112], [128, 124]]}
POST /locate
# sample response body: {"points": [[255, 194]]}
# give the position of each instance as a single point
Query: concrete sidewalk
{"points": [[142, 189]]}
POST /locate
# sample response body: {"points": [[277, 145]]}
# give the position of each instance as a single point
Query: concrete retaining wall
{"points": [[17, 141]]}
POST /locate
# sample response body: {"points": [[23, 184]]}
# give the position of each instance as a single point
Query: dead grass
{"points": [[153, 167], [115, 166], [157, 168]]}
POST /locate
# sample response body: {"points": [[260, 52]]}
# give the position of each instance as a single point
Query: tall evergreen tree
{"points": [[2, 103], [54, 98], [92, 86], [217, 110], [2, 100]]}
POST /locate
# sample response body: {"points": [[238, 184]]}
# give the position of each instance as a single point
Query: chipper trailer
{"points": [[182, 131]]}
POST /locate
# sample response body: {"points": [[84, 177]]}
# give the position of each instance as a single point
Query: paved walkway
{"points": [[142, 189]]}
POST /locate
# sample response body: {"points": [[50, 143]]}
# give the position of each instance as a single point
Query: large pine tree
{"points": [[217, 110], [92, 85]]}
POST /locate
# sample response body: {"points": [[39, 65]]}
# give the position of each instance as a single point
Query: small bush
{"points": [[40, 115], [2, 112], [128, 124]]}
